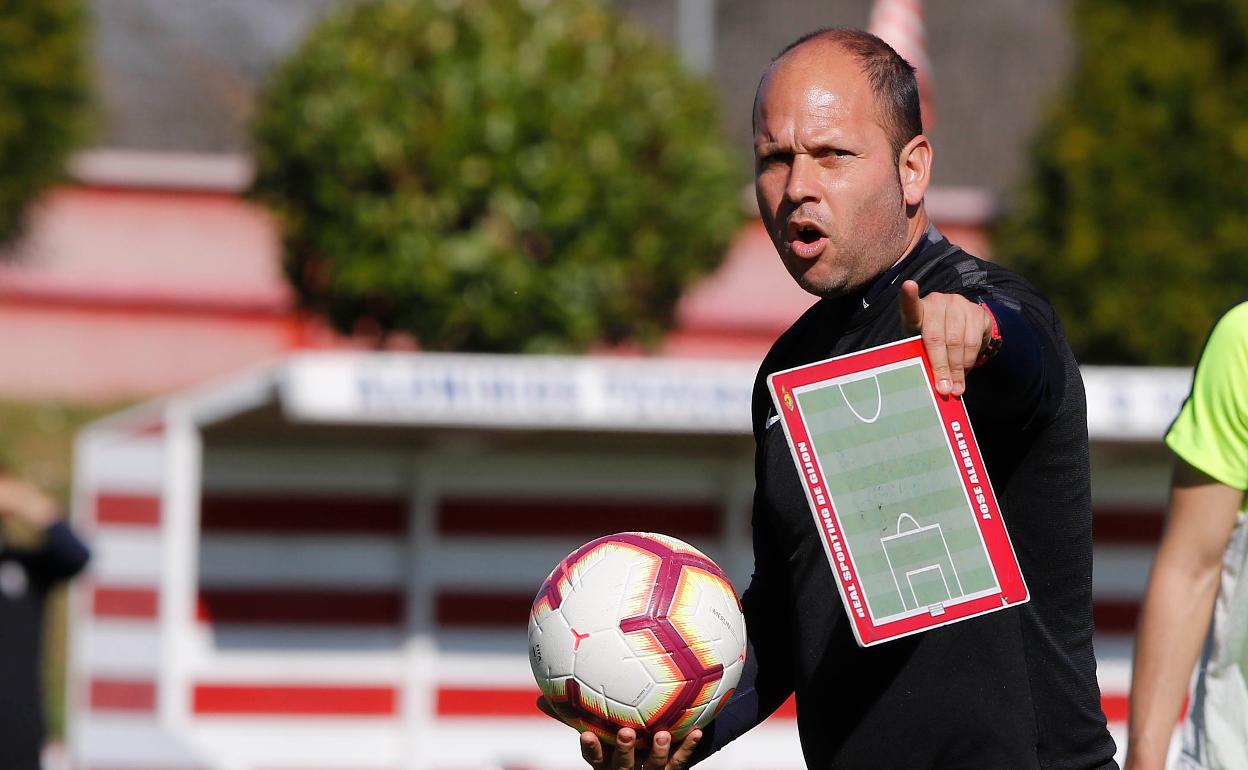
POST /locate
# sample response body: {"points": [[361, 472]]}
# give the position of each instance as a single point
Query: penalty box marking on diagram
{"points": [[919, 531]]}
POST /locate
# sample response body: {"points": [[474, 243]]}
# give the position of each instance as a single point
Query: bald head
{"points": [[890, 78]]}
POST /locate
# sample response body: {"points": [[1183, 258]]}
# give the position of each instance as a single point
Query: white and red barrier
{"points": [[327, 564]]}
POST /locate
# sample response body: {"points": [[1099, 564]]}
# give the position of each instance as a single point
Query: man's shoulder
{"points": [[961, 272]]}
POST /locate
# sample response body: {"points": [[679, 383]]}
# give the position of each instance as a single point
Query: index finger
{"points": [[935, 343], [911, 307]]}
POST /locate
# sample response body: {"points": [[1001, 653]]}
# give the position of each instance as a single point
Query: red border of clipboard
{"points": [[1013, 590]]}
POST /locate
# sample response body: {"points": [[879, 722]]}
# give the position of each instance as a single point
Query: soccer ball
{"points": [[637, 630]]}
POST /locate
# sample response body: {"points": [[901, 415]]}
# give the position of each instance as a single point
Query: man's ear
{"points": [[914, 168]]}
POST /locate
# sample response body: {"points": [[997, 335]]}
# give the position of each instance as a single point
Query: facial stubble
{"points": [[861, 259]]}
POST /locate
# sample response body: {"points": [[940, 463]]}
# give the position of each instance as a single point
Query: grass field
{"points": [[36, 443]]}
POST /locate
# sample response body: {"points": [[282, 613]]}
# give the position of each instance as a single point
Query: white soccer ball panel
{"points": [[730, 679], [609, 582], [608, 708], [706, 614], [656, 659], [659, 697], [606, 664], [624, 714], [551, 650]]}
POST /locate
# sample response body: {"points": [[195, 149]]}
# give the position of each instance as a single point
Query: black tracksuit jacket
{"points": [[1010, 690]]}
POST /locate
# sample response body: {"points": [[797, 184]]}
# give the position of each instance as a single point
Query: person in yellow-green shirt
{"points": [[1197, 601]]}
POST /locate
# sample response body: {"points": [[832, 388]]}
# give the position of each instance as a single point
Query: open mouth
{"points": [[806, 239]]}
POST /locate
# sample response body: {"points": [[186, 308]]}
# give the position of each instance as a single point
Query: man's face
{"points": [[825, 173]]}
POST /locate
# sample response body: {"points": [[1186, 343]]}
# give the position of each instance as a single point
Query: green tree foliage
{"points": [[1135, 216], [495, 175], [43, 91]]}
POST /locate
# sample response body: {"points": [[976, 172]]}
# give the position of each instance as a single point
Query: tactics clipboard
{"points": [[898, 491]]}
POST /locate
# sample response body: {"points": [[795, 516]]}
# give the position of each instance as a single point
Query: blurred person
{"points": [[1197, 592], [842, 168], [27, 572]]}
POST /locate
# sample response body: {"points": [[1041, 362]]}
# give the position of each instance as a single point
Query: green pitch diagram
{"points": [[897, 490]]}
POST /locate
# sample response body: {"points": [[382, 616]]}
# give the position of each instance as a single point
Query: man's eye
{"points": [[775, 159]]}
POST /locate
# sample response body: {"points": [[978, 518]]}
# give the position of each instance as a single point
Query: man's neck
{"points": [[917, 231], [928, 236]]}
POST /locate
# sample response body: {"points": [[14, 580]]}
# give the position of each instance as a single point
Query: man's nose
{"points": [[802, 185]]}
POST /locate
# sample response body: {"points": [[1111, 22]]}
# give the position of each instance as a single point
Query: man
{"points": [[842, 167], [26, 574], [1203, 555]]}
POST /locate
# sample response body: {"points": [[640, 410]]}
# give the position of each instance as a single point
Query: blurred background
{"points": [[336, 324]]}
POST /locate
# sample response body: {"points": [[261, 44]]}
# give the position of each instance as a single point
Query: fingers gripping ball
{"points": [[637, 630]]}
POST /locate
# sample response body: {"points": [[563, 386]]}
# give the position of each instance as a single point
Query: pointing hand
{"points": [[954, 330]]}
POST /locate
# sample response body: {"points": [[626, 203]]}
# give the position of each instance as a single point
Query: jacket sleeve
{"points": [[1022, 385], [767, 679]]}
